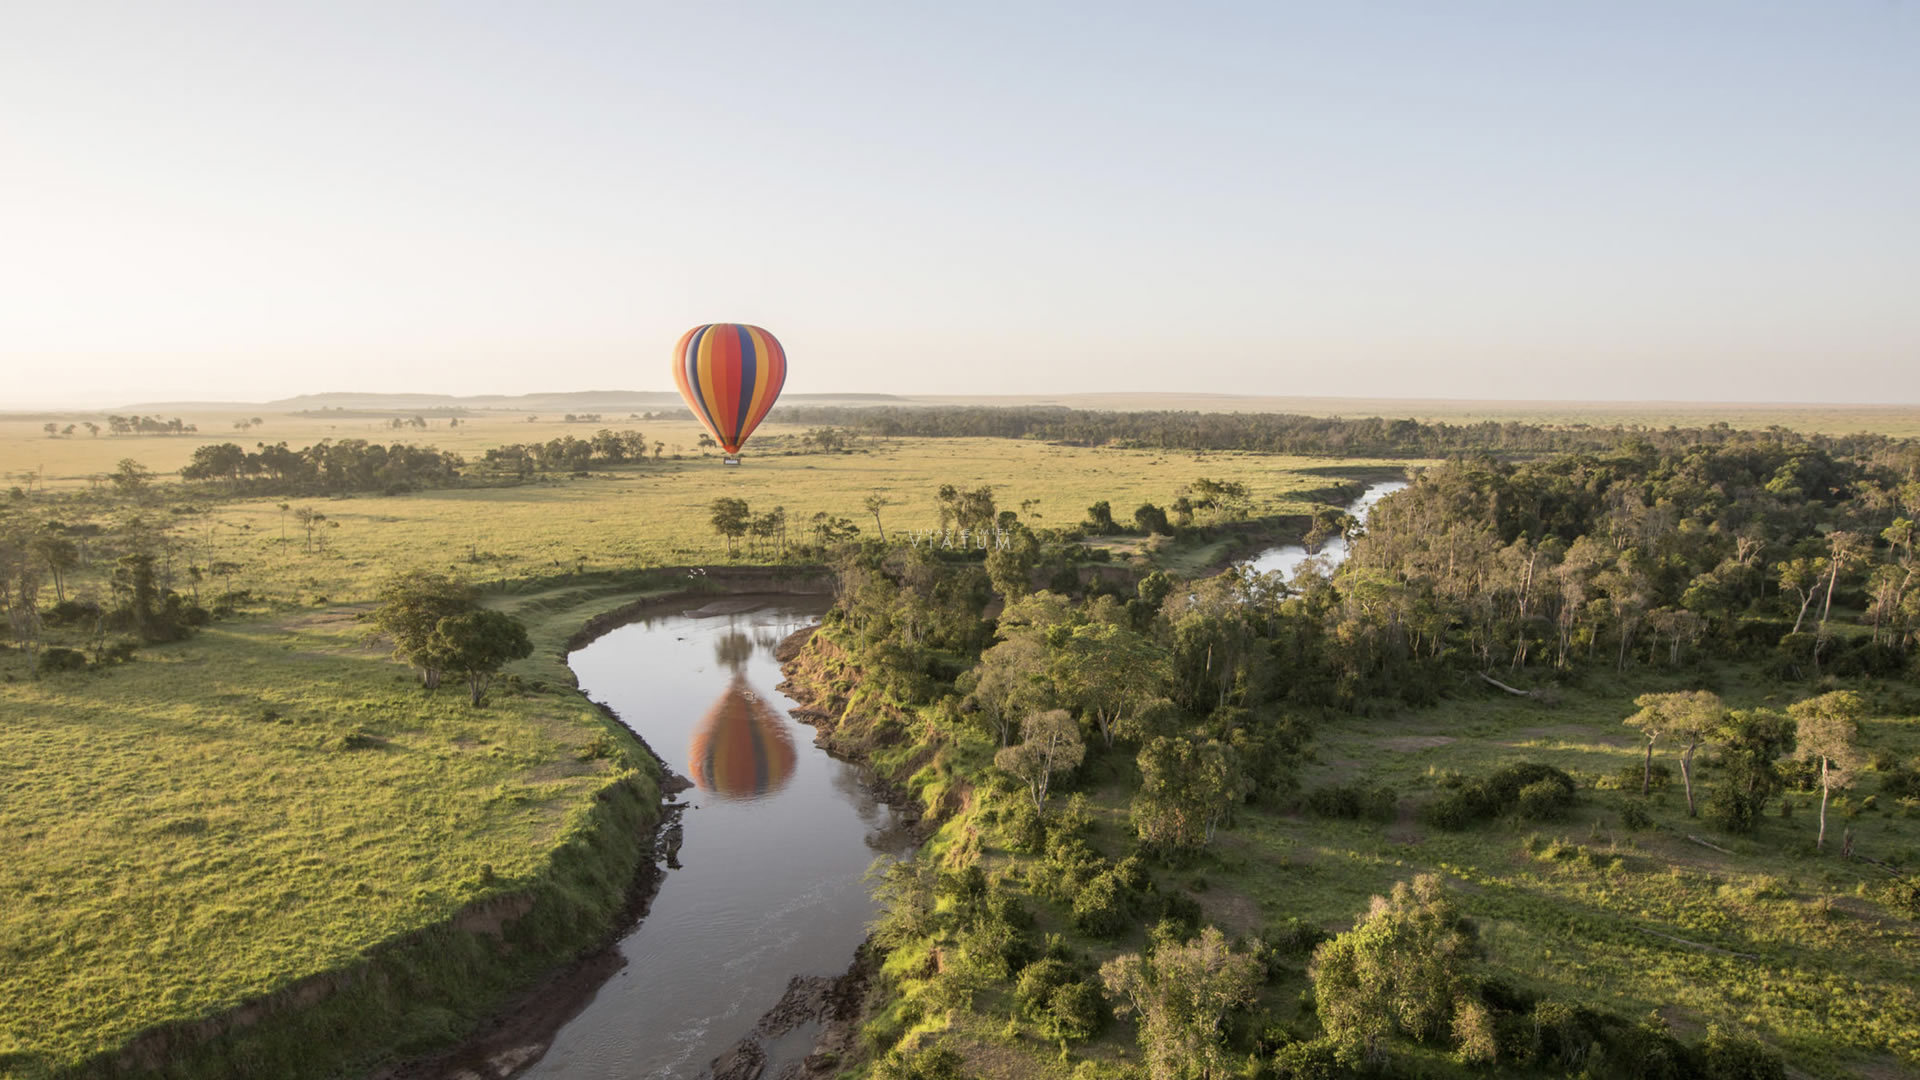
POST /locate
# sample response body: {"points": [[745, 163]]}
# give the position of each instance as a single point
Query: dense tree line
{"points": [[1282, 433], [1642, 556]]}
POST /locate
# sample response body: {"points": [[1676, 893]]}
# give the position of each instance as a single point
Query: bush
{"points": [[1634, 816], [1055, 995], [57, 659], [1550, 792], [1721, 1056], [1100, 906], [72, 613], [1543, 800], [1353, 802], [1316, 1060], [1632, 777], [1293, 936]]}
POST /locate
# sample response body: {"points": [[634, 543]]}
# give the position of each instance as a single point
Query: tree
{"points": [[875, 503], [1100, 519], [1801, 577], [20, 573], [61, 557], [1009, 682], [1402, 968], [309, 519], [1152, 520], [411, 605], [1109, 671], [478, 644], [1687, 716], [130, 477], [1750, 741], [731, 518], [1051, 744], [1825, 730], [1187, 788], [1844, 549], [1183, 994], [224, 570]]}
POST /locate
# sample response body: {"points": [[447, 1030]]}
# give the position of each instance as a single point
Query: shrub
{"points": [[1632, 777], [1552, 791], [1100, 906], [1316, 1060], [1057, 997], [1543, 800], [1353, 802], [1721, 1056], [58, 659], [1634, 816], [1293, 936]]}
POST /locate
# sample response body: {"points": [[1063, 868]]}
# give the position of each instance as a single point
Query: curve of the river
{"points": [[775, 841], [1287, 558]]}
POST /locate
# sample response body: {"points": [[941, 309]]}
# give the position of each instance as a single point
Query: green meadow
{"points": [[275, 798]]}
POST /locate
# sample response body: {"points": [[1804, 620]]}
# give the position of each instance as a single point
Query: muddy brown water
{"points": [[767, 882]]}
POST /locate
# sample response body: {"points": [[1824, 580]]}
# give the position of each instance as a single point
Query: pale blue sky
{"points": [[1463, 199]]}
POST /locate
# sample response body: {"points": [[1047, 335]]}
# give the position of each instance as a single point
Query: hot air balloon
{"points": [[730, 374], [741, 750]]}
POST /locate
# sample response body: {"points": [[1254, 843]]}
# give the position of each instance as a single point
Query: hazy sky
{"points": [[1461, 199]]}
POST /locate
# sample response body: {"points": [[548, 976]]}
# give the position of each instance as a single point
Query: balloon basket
{"points": [[730, 460]]}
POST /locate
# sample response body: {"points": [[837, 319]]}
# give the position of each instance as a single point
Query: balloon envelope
{"points": [[730, 374], [741, 749]]}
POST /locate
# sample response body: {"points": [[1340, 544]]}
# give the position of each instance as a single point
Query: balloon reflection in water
{"points": [[741, 750]]}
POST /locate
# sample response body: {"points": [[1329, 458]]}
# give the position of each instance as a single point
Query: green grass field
{"points": [[220, 818], [635, 516], [269, 800]]}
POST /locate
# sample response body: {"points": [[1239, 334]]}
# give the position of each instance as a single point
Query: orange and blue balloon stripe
{"points": [[730, 374]]}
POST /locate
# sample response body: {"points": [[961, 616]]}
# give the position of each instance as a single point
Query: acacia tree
{"points": [[731, 518], [478, 644], [875, 503], [1687, 716], [1402, 968], [1051, 745], [411, 605], [309, 519], [1825, 728], [1183, 994]]}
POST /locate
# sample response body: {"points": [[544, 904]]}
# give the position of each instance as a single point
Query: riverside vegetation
{"points": [[1544, 780], [1255, 758]]}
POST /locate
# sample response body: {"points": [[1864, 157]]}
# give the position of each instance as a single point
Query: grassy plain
{"points": [[655, 514], [223, 817], [272, 799]]}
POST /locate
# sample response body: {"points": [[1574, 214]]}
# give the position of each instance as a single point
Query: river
{"points": [[1287, 558], [768, 881], [775, 840]]}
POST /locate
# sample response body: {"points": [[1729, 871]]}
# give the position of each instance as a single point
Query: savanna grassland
{"points": [[632, 516], [273, 811]]}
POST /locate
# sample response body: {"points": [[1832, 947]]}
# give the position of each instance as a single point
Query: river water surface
{"points": [[775, 840], [1288, 558], [776, 837]]}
